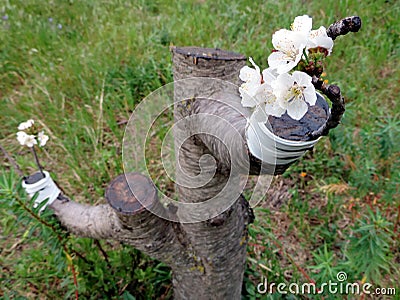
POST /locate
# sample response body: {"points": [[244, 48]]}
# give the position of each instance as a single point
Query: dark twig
{"points": [[344, 26], [12, 161], [341, 27], [97, 243], [335, 96], [37, 161]]}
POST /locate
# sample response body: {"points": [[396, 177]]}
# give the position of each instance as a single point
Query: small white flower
{"points": [[26, 125], [257, 93], [293, 92], [269, 75], [42, 138], [25, 139], [21, 137], [290, 46], [252, 81], [267, 104], [319, 38], [316, 38], [266, 98], [248, 74]]}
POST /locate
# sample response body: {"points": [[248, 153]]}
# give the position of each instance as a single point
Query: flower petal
{"points": [[310, 95], [260, 114], [248, 74], [297, 108], [282, 84], [249, 92], [281, 62], [302, 23], [269, 75], [302, 78], [254, 65], [21, 137], [274, 109], [42, 138]]}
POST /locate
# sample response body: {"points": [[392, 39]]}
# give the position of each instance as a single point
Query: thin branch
{"points": [[37, 161], [75, 280], [338, 107], [344, 26], [341, 27], [97, 243]]}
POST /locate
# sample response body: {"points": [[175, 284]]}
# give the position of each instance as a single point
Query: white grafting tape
{"points": [[46, 188]]}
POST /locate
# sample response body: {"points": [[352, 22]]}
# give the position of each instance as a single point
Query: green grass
{"points": [[83, 79]]}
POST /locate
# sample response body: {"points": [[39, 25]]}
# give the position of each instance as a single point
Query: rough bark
{"points": [[98, 222], [220, 243]]}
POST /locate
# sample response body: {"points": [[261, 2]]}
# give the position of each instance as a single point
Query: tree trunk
{"points": [[219, 243], [206, 247]]}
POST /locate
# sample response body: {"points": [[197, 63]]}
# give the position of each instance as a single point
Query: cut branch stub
{"points": [[131, 193], [208, 53], [33, 178], [290, 129], [207, 62], [344, 26]]}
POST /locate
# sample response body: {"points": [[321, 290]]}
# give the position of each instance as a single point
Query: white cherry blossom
{"points": [[42, 138], [26, 139], [293, 92], [289, 45], [26, 125], [257, 93], [267, 104], [319, 38], [252, 81], [266, 97]]}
